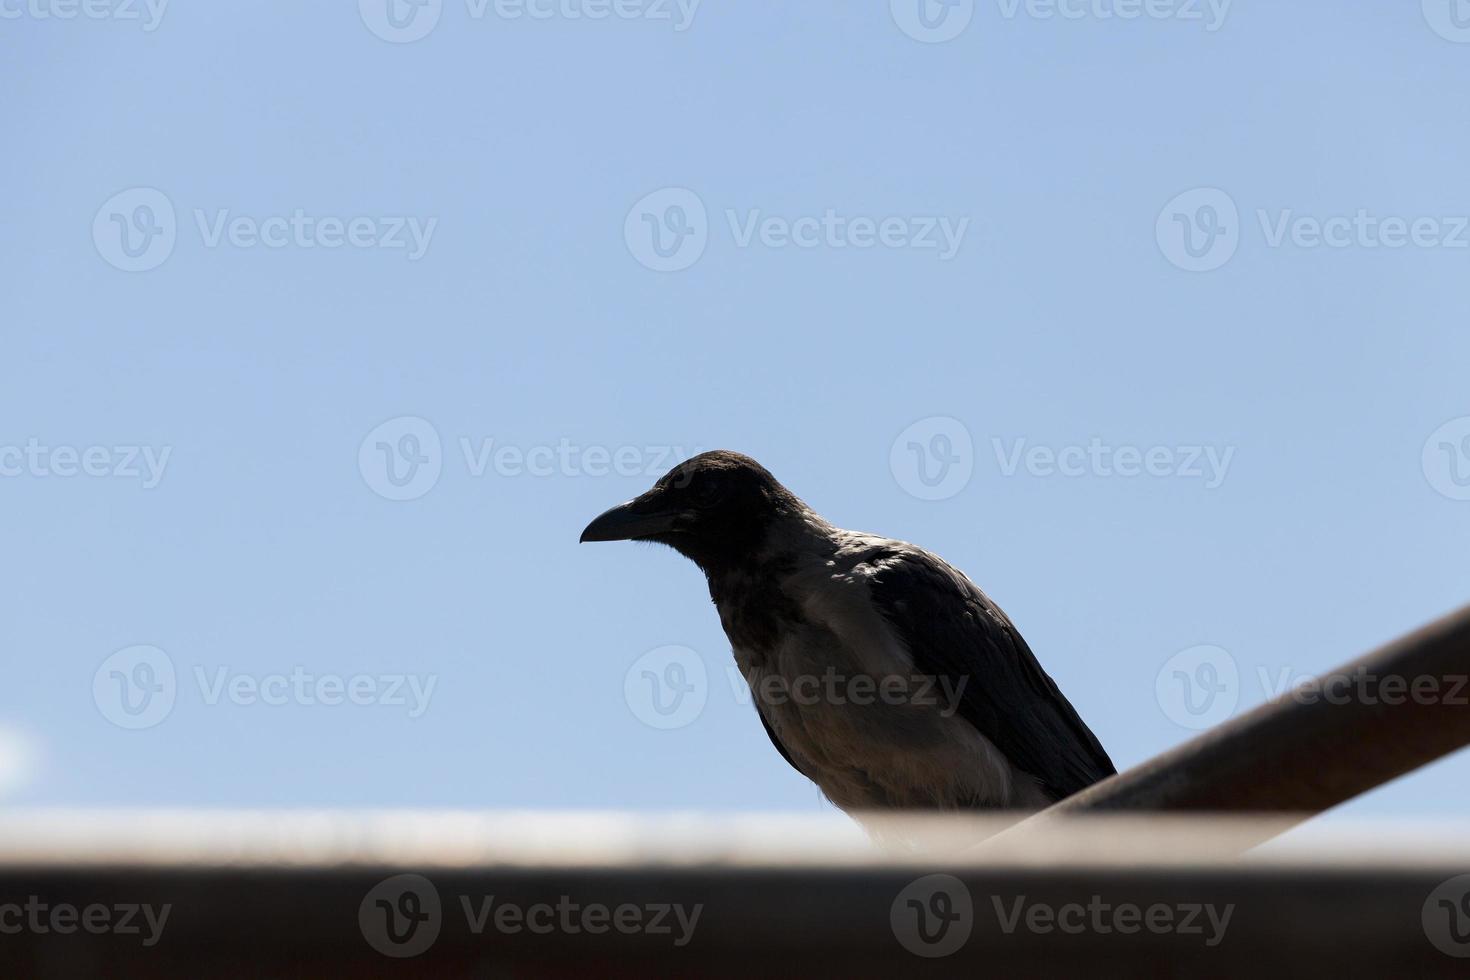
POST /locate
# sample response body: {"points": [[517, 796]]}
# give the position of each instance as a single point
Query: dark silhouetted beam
{"points": [[1360, 726]]}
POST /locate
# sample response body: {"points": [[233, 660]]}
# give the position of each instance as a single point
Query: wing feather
{"points": [[953, 630]]}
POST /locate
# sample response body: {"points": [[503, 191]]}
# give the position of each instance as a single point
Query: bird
{"points": [[880, 672]]}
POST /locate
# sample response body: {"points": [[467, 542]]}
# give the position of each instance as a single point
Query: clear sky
{"points": [[1156, 325]]}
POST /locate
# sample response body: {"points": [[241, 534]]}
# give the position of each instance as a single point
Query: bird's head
{"points": [[715, 509]]}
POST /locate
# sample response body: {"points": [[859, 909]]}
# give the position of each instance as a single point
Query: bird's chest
{"points": [[868, 740], [842, 697], [810, 676], [817, 699], [756, 612]]}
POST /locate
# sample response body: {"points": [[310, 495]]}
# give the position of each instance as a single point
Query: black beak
{"points": [[638, 518]]}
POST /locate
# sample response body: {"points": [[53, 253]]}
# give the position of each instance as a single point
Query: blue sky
{"points": [[950, 290]]}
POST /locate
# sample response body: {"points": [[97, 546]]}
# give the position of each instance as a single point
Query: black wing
{"points": [[953, 630]]}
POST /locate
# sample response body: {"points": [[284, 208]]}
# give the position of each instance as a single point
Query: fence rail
{"points": [[1099, 885], [1094, 897], [1364, 724]]}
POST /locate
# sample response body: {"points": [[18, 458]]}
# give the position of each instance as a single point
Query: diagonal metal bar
{"points": [[1368, 722]]}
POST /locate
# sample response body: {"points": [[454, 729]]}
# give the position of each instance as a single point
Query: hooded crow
{"points": [[881, 673]]}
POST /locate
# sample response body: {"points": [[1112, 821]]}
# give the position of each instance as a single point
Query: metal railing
{"points": [[1370, 721]]}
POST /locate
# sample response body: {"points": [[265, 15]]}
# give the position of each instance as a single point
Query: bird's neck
{"points": [[791, 540], [750, 588]]}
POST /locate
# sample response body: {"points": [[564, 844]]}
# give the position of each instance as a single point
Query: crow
{"points": [[880, 672]]}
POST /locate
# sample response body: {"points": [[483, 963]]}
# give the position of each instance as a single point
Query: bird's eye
{"points": [[705, 492]]}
